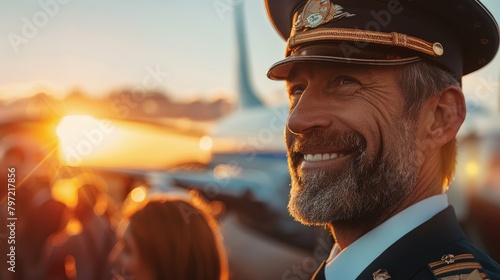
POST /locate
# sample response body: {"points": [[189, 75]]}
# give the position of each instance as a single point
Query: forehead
{"points": [[312, 69]]}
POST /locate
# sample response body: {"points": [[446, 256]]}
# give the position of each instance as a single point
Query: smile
{"points": [[322, 157]]}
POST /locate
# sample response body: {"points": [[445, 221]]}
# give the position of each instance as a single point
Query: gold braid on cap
{"points": [[365, 36]]}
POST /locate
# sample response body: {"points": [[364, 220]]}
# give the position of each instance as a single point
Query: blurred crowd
{"points": [[78, 223]]}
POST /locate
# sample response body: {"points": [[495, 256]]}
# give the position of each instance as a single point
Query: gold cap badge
{"points": [[317, 12], [381, 274]]}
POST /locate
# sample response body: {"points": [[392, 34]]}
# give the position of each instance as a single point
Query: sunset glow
{"points": [[65, 191], [87, 141]]}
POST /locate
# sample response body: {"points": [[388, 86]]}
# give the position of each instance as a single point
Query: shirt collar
{"points": [[350, 262]]}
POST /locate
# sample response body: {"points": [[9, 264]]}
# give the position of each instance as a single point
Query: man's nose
{"points": [[310, 112]]}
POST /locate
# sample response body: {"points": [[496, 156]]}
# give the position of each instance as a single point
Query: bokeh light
{"points": [[206, 143], [138, 194]]}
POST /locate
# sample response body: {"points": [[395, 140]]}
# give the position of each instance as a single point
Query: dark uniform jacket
{"points": [[437, 249]]}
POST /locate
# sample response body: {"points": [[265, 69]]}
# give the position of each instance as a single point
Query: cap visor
{"points": [[281, 69]]}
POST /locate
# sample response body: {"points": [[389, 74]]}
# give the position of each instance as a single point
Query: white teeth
{"points": [[320, 157]]}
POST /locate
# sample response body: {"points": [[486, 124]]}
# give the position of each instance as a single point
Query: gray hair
{"points": [[420, 81]]}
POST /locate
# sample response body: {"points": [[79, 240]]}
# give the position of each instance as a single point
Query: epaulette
{"points": [[458, 267]]}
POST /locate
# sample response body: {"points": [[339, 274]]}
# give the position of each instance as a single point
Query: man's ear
{"points": [[446, 113]]}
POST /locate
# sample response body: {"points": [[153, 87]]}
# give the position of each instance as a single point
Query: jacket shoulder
{"points": [[435, 250], [469, 261], [459, 260]]}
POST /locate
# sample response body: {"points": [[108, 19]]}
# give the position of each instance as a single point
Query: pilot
{"points": [[375, 105]]}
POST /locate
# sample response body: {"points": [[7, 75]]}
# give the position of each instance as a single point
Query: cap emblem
{"points": [[381, 274], [317, 12]]}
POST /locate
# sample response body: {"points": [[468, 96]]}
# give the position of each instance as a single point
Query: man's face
{"points": [[351, 150]]}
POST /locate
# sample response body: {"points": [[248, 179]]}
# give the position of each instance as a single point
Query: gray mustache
{"points": [[349, 141]]}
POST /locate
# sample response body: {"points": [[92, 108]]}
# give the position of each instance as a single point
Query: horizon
{"points": [[186, 49]]}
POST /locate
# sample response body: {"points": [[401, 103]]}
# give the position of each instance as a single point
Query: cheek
{"points": [[373, 131], [380, 129]]}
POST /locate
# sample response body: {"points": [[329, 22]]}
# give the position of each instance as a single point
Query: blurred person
{"points": [[27, 153], [42, 216], [25, 158], [375, 106], [13, 158], [83, 256], [170, 238]]}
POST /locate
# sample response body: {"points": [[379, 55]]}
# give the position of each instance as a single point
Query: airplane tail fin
{"points": [[247, 97]]}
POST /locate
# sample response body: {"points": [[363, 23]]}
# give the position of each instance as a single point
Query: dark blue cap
{"points": [[460, 36]]}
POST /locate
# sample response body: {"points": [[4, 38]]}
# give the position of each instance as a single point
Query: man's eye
{"points": [[346, 80], [297, 90]]}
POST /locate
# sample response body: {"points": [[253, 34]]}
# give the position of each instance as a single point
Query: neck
{"points": [[347, 232]]}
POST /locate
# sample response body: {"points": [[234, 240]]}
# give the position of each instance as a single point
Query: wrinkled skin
{"points": [[355, 115]]}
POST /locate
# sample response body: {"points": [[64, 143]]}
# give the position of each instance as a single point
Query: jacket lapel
{"points": [[411, 254]]}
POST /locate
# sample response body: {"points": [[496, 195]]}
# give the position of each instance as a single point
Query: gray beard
{"points": [[360, 190]]}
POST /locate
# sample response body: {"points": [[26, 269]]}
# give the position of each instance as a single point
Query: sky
{"points": [[186, 48]]}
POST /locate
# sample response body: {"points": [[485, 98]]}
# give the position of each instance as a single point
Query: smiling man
{"points": [[375, 106]]}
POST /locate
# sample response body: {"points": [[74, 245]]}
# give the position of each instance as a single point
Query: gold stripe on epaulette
{"points": [[457, 266], [458, 257], [474, 275], [366, 36]]}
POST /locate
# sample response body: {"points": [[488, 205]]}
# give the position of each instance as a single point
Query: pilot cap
{"points": [[460, 36]]}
